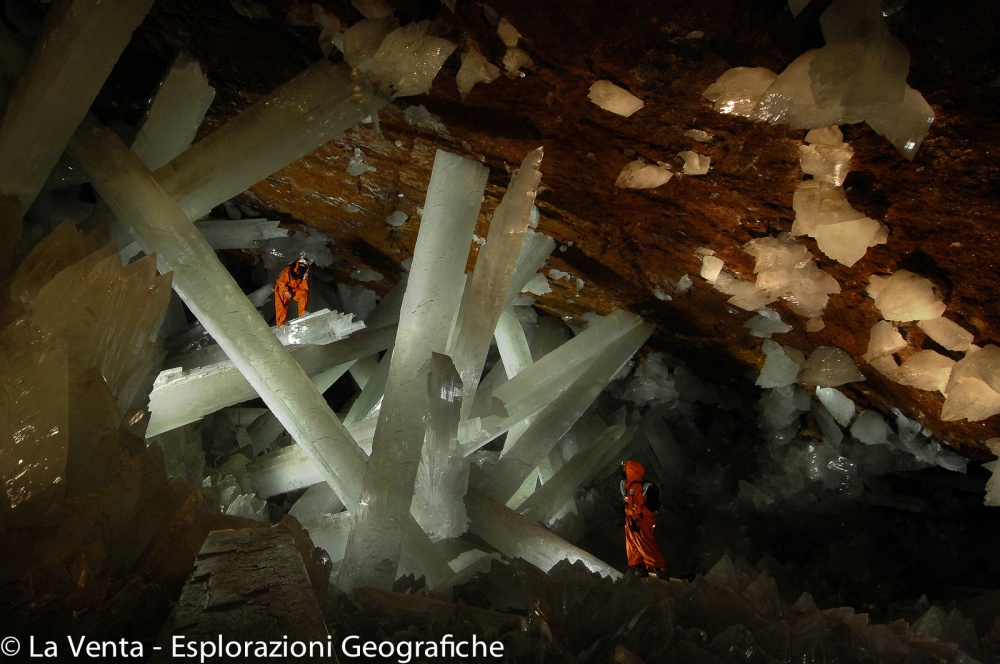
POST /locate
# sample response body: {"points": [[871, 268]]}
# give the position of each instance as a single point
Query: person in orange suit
{"points": [[644, 555], [292, 284]]}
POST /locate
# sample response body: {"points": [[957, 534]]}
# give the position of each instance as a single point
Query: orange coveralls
{"points": [[640, 522], [293, 283]]}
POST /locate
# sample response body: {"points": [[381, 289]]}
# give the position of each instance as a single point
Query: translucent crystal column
{"points": [[512, 343], [239, 233], [486, 292], [374, 388], [370, 399], [317, 328], [443, 474], [34, 419], [535, 250], [181, 396], [516, 537], [178, 109], [110, 314], [80, 42], [215, 298], [316, 106], [552, 423], [539, 384], [291, 468], [428, 310], [545, 503], [516, 356]]}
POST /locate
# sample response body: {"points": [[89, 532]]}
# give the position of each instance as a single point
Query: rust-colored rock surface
{"points": [[941, 208]]}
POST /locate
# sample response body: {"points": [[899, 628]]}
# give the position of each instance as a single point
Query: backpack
{"points": [[652, 493]]}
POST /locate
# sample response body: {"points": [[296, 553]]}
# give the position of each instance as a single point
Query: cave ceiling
{"points": [[941, 207]]}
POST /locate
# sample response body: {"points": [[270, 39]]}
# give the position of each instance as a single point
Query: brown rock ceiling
{"points": [[941, 208]]}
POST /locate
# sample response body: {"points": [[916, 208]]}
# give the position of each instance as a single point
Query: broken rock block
{"points": [[248, 587]]}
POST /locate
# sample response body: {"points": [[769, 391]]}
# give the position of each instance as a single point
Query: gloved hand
{"points": [[288, 294], [633, 525]]}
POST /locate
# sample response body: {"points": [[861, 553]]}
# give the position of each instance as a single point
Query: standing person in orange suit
{"points": [[641, 500], [292, 284]]}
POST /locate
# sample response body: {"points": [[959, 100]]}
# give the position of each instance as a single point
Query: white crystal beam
{"points": [[80, 42], [216, 299], [543, 381], [546, 502], [517, 537], [319, 499], [316, 106], [374, 388], [291, 468], [177, 110], [209, 290], [168, 129], [315, 328], [443, 474], [331, 530], [486, 292], [239, 233], [535, 250], [552, 423], [370, 399], [183, 396], [426, 316], [512, 343]]}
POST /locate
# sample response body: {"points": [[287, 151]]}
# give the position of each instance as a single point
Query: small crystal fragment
{"points": [[475, 69], [419, 116], [905, 296], [738, 90], [823, 212], [357, 165], [971, 400], [612, 98], [514, 59], [683, 285], [871, 429], [824, 159], [973, 391], [884, 339], [839, 405], [699, 135], [397, 218], [767, 322], [926, 370], [639, 174], [694, 163], [786, 269], [507, 33], [829, 366], [365, 275], [780, 368], [711, 267], [948, 333]]}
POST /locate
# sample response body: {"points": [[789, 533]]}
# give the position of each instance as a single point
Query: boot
{"points": [[639, 570]]}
